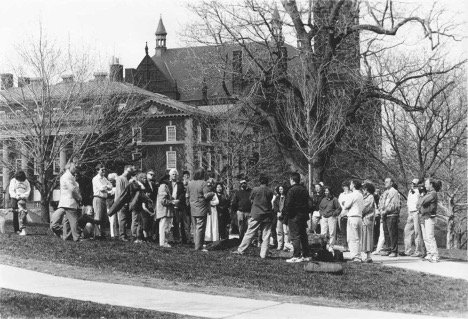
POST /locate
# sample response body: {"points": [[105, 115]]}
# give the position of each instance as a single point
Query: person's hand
{"points": [[278, 214], [175, 202]]}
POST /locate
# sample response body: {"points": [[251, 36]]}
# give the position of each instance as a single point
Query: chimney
{"points": [[7, 81], [23, 81], [116, 70], [68, 78], [100, 76]]}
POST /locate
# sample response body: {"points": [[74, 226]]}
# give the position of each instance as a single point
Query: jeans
{"points": [[429, 238], [328, 227], [282, 233], [413, 230], [298, 236], [390, 226], [165, 224], [22, 219], [343, 225], [199, 225], [242, 222], [314, 222], [71, 217], [354, 232], [14, 206], [181, 222], [265, 229], [123, 216], [377, 230]]}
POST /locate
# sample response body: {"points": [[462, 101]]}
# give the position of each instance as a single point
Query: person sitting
{"points": [[19, 189]]}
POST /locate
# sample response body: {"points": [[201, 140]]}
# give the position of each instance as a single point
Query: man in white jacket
{"points": [[413, 227]]}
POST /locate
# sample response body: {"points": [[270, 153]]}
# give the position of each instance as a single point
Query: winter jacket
{"points": [[428, 205], [241, 201], [390, 203], [261, 203], [19, 189], [296, 204], [329, 207]]}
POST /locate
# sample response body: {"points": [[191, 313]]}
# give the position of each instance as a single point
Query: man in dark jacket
{"points": [[242, 205], [181, 221], [296, 208], [151, 190], [261, 218], [316, 199]]}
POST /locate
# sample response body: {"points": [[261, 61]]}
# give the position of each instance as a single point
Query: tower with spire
{"points": [[160, 38], [277, 26]]}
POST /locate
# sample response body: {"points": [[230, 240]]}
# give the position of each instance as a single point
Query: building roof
{"points": [[161, 30], [92, 89]]}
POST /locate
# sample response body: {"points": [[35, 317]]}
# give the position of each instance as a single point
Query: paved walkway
{"points": [[446, 268], [185, 303]]}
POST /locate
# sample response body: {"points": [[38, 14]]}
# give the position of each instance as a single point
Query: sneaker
{"points": [[416, 255], [356, 260], [306, 259], [167, 246], [280, 248], [427, 258], [368, 261], [393, 255], [124, 239], [434, 260], [17, 232], [294, 260], [375, 253], [137, 241], [384, 253], [23, 232], [236, 252]]}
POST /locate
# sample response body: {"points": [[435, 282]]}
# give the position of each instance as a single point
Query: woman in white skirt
{"points": [[212, 224]]}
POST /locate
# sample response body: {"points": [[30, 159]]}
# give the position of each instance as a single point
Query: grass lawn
{"points": [[15, 304], [361, 285]]}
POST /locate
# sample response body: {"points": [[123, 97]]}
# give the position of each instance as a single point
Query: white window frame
{"points": [[137, 158], [56, 166], [208, 135], [171, 136], [35, 171], [136, 135], [171, 159], [199, 139]]}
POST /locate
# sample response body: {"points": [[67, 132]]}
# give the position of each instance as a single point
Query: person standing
{"points": [[241, 205], [149, 220], [354, 204], [122, 200], [413, 227], [330, 209], [177, 196], [428, 208], [199, 196], [182, 220], [19, 189], [70, 198], [316, 199], [343, 217], [367, 242], [296, 208], [390, 211], [101, 187], [224, 217], [212, 222], [164, 211], [113, 225], [261, 216]]}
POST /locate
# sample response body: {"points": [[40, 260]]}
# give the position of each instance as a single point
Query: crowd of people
{"points": [[198, 211]]}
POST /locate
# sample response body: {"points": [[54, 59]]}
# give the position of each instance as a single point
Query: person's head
{"points": [[294, 178], [414, 183], [243, 184], [199, 174], [150, 175], [173, 174], [219, 188], [318, 188], [432, 184], [368, 188], [280, 190], [129, 170], [263, 180], [20, 176], [186, 175], [355, 185], [345, 186], [327, 192], [101, 169], [389, 183], [141, 177], [164, 179], [73, 167]]}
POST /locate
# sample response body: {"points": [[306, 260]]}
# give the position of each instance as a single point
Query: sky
{"points": [[107, 28]]}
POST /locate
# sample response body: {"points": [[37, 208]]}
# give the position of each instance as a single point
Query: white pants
{"points": [[165, 224], [381, 241], [429, 238], [328, 227], [354, 230]]}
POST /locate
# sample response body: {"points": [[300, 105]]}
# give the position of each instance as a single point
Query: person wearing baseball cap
{"points": [[412, 232], [241, 204]]}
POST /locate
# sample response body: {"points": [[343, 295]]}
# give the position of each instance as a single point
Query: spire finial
{"points": [[146, 48]]}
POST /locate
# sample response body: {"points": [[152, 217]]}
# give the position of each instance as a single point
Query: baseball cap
{"points": [[415, 181], [243, 181]]}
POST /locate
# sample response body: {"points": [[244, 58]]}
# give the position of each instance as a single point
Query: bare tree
{"points": [[46, 122], [329, 35]]}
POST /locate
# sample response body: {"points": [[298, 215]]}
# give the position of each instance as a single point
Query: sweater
{"points": [[429, 205], [241, 201], [390, 202], [329, 207], [19, 189], [296, 204], [412, 201], [261, 202], [354, 204]]}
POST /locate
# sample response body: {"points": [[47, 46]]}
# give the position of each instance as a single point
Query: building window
{"points": [[137, 160], [171, 159], [56, 166], [136, 135], [208, 161], [208, 135], [199, 134], [171, 133], [200, 158], [35, 167]]}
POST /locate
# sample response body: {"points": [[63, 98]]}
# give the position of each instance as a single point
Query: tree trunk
{"points": [[450, 233], [45, 214]]}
